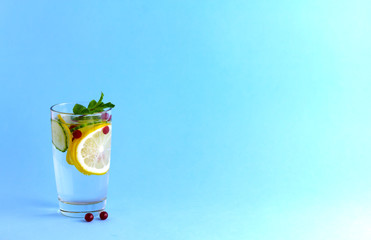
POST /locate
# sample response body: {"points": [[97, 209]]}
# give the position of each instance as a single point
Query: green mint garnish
{"points": [[94, 106]]}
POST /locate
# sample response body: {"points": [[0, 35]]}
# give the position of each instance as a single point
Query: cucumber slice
{"points": [[86, 118], [84, 125], [59, 136]]}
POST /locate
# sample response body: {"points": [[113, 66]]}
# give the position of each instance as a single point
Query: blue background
{"points": [[233, 119]]}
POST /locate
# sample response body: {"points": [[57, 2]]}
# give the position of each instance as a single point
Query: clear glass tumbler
{"points": [[81, 154]]}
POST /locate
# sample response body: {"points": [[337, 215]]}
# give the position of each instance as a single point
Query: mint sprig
{"points": [[93, 107]]}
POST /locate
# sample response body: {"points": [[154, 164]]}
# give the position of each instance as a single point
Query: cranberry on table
{"points": [[103, 215], [89, 217], [77, 134], [105, 129]]}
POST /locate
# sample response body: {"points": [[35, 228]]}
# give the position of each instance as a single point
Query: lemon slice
{"points": [[92, 152]]}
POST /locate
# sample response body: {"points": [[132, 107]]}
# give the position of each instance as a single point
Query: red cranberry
{"points": [[77, 134], [105, 129], [73, 126], [89, 217], [103, 215], [105, 116]]}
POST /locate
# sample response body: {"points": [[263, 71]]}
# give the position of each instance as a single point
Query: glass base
{"points": [[79, 209]]}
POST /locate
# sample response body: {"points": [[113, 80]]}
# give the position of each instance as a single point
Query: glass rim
{"points": [[68, 113]]}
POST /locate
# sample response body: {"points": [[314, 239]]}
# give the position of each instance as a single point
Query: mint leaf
{"points": [[109, 105], [78, 108], [85, 111], [98, 109], [100, 99], [93, 107], [92, 104], [99, 105]]}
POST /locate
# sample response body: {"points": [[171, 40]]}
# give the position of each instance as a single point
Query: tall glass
{"points": [[81, 154]]}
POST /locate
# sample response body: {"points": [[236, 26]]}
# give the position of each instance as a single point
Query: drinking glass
{"points": [[81, 154]]}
